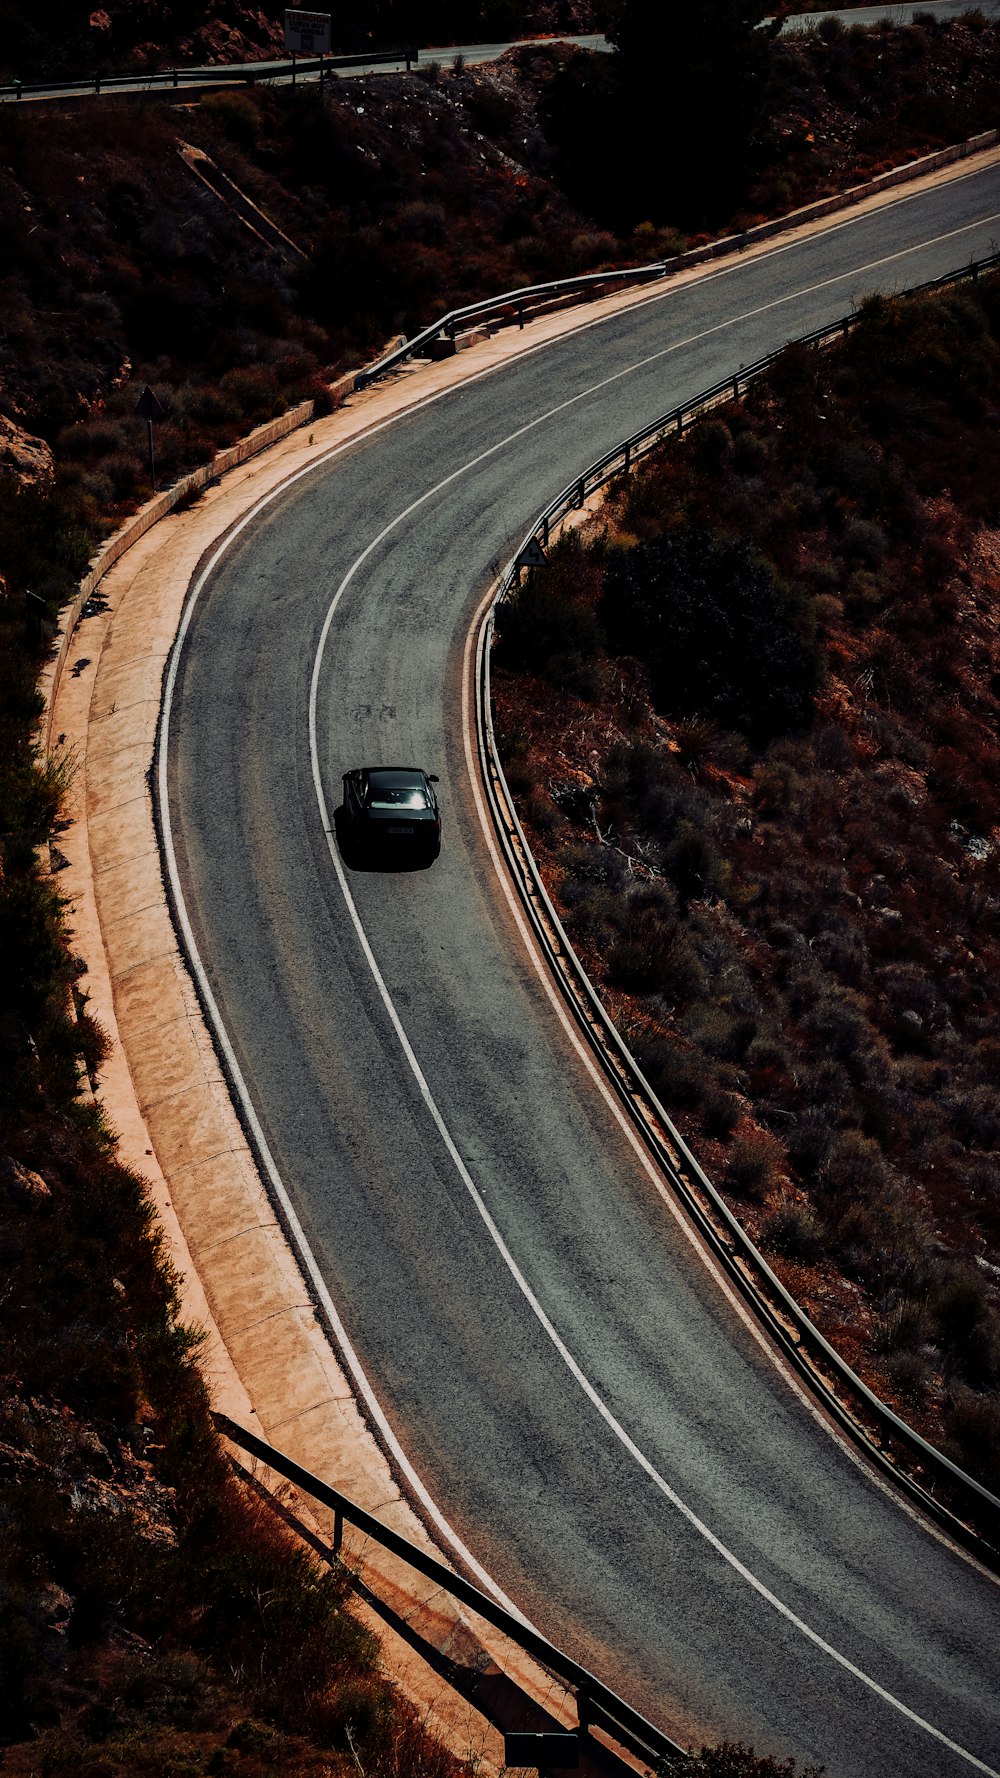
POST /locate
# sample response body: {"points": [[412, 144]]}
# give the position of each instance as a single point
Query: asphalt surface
{"points": [[896, 15], [652, 1491]]}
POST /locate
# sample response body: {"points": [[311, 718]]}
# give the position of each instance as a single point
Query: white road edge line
{"points": [[306, 1256], [514, 1269], [579, 1376], [543, 971]]}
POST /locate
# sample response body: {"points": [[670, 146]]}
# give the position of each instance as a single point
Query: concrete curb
{"points": [[142, 521], [267, 1361], [906, 174]]}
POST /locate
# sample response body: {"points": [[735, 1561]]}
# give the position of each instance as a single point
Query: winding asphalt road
{"points": [[569, 1378]]}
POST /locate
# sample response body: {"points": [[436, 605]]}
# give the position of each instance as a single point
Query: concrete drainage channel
{"points": [[163, 1087]]}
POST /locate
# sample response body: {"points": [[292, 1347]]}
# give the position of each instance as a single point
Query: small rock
{"points": [[27, 460], [24, 1183]]}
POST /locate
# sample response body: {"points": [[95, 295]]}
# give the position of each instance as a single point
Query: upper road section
{"points": [[572, 1381], [284, 73]]}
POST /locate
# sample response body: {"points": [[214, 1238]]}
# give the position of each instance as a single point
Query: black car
{"points": [[392, 809]]}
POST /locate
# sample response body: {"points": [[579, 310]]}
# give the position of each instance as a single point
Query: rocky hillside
{"points": [[118, 266], [72, 40]]}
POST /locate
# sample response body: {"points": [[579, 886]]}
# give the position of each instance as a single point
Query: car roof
{"points": [[395, 777]]}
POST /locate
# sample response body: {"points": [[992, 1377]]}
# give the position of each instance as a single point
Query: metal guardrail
{"points": [[597, 1705], [247, 74], [933, 1481], [513, 304]]}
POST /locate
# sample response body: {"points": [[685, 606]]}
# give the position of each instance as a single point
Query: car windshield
{"points": [[389, 796]]}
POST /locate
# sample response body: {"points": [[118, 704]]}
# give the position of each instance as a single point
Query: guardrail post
{"points": [[338, 1532], [581, 491], [97, 84], [680, 422], [545, 532], [582, 1708], [520, 316], [628, 458], [736, 388], [176, 77]]}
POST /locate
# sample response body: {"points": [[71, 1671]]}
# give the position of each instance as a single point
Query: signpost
{"points": [[532, 556], [307, 34], [149, 409]]}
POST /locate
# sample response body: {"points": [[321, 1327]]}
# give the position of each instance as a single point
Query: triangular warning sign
{"points": [[147, 406], [532, 555]]}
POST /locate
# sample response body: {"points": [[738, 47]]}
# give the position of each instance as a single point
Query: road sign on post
{"points": [[307, 33], [149, 409], [532, 555]]}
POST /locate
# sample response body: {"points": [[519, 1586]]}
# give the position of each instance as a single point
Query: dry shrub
{"points": [[542, 813], [721, 1031], [855, 1170], [793, 1231], [905, 1328], [730, 1759], [967, 1326], [973, 1427], [674, 1073], [640, 960], [720, 1113], [910, 1377], [549, 626], [255, 391], [754, 1164]]}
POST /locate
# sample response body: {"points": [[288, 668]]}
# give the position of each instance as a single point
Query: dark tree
{"points": [[696, 85], [711, 621]]}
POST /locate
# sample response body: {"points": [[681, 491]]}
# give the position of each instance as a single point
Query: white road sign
{"points": [[307, 33]]}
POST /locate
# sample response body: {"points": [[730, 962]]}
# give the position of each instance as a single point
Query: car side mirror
{"points": [[432, 778]]}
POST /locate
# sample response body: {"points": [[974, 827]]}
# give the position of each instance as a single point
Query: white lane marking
{"points": [[306, 1257], [657, 296], [534, 1304], [544, 974], [514, 1269], [298, 1235]]}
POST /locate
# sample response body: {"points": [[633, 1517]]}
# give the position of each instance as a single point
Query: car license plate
{"points": [[398, 828]]}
